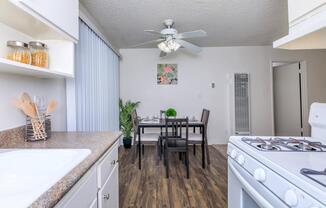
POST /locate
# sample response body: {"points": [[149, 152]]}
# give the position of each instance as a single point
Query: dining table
{"points": [[159, 123]]}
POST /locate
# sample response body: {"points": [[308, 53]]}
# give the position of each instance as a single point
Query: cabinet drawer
{"points": [[83, 193], [106, 166], [108, 196]]}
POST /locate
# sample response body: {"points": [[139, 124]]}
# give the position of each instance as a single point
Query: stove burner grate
{"points": [[305, 147], [284, 144], [265, 146]]}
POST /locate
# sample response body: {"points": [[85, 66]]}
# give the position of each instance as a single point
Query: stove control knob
{"points": [[241, 159], [260, 175], [234, 153], [291, 198]]}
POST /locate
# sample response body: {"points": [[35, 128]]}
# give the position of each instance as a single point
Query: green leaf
{"points": [[125, 116]]}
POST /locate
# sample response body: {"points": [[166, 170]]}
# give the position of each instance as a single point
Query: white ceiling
{"points": [[227, 22]]}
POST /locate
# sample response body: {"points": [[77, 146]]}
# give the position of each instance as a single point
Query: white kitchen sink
{"points": [[27, 173]]}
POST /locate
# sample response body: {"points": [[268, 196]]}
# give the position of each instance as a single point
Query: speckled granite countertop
{"points": [[98, 143]]}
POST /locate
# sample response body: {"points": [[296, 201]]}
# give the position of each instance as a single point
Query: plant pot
{"points": [[127, 142]]}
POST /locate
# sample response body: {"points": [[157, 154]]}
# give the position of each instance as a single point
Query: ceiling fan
{"points": [[170, 40]]}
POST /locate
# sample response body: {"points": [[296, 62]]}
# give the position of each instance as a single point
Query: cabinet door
{"points": [[298, 8], [108, 196], [61, 13], [82, 194]]}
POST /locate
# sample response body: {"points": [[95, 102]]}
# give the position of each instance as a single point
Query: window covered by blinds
{"points": [[96, 84]]}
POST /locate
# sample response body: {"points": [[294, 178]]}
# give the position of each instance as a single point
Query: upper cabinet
{"points": [[54, 23], [61, 14], [307, 25], [299, 8]]}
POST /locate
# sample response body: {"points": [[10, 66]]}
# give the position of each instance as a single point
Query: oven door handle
{"points": [[257, 197]]}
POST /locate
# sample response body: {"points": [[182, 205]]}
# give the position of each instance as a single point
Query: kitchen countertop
{"points": [[98, 143]]}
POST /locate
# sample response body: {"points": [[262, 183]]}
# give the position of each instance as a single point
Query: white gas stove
{"points": [[279, 171]]}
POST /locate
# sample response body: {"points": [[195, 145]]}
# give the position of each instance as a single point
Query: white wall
{"points": [[13, 85], [214, 64]]}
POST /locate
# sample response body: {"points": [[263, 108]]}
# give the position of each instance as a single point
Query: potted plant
{"points": [[171, 112], [125, 120]]}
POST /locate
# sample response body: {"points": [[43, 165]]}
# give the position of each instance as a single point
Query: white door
{"points": [[287, 100]]}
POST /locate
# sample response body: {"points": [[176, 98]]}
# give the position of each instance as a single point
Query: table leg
{"points": [[139, 148], [203, 147]]}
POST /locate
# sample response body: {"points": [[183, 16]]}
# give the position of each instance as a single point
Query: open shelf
{"points": [[13, 67], [20, 23]]}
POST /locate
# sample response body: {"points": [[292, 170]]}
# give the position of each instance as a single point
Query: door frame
{"points": [[304, 94]]}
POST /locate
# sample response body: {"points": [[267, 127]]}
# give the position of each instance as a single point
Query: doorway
{"points": [[289, 99]]}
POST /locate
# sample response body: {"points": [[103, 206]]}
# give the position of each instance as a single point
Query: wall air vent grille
{"points": [[241, 104]]}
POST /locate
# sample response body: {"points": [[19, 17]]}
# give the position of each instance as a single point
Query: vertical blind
{"points": [[96, 83]]}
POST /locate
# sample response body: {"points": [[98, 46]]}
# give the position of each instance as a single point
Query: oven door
{"points": [[245, 192]]}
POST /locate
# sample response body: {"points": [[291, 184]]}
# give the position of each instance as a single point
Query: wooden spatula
{"points": [[17, 103], [25, 97]]}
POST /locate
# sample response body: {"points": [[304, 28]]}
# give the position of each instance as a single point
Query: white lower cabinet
{"points": [[108, 196], [99, 187]]}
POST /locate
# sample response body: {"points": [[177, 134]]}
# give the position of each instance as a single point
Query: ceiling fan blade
{"points": [[192, 34], [192, 47], [148, 42], [162, 54], [153, 32]]}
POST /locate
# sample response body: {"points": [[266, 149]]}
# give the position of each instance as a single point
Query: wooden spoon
{"points": [[28, 109], [51, 107]]}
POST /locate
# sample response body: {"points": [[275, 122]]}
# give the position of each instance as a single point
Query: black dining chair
{"points": [[197, 138], [176, 140]]}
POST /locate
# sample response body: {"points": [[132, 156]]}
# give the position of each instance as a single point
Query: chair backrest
{"points": [[177, 125], [134, 119], [205, 116], [162, 112]]}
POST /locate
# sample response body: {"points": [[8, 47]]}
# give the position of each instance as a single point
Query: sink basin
{"points": [[27, 173]]}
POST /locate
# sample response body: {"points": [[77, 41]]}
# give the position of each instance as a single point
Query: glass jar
{"points": [[19, 51], [40, 56]]}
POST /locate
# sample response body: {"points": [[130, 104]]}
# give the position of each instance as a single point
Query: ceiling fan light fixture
{"points": [[169, 46], [170, 40], [163, 46], [173, 45]]}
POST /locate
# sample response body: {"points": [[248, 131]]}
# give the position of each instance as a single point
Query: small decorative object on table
{"points": [[126, 122], [38, 121], [171, 112]]}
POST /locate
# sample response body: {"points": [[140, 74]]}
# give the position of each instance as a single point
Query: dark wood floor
{"points": [[150, 188]]}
